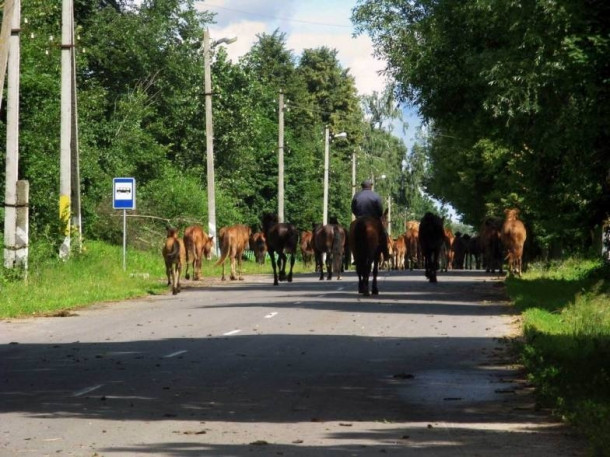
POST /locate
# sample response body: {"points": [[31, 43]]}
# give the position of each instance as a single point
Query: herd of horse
{"points": [[426, 244]]}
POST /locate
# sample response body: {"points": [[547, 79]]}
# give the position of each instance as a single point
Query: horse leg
{"points": [[289, 278], [233, 260], [197, 267], [329, 266], [318, 256], [375, 290], [272, 256], [174, 279], [282, 266], [223, 278], [239, 272]]}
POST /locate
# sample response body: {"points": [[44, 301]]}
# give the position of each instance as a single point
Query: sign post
{"points": [[124, 197]]}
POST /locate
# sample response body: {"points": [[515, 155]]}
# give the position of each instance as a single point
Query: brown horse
{"points": [[233, 242], [259, 246], [513, 237], [431, 239], [367, 240], [329, 240], [281, 238], [307, 247], [198, 245], [174, 256], [413, 255]]}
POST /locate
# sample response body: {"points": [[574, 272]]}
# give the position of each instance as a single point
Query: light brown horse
{"points": [[329, 241], [174, 256], [259, 247], [198, 245], [513, 237], [234, 240], [281, 238], [306, 246], [413, 255], [367, 240]]}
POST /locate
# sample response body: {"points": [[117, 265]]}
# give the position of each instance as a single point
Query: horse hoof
{"points": [[375, 292], [366, 293], [187, 277], [233, 278], [241, 278], [289, 279]]}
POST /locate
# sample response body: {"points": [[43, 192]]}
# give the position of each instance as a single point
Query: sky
{"points": [[306, 24]]}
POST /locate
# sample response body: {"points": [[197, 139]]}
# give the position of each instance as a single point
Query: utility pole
{"points": [[209, 139], [65, 163], [353, 178], [5, 33], [280, 160], [75, 153], [209, 132], [326, 166], [12, 139]]}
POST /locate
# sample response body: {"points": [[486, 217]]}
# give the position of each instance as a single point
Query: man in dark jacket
{"points": [[367, 202]]}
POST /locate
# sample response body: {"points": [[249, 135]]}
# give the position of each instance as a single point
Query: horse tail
{"points": [[337, 245], [223, 257]]}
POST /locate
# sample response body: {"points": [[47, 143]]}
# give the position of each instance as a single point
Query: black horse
{"points": [[431, 238], [282, 238]]}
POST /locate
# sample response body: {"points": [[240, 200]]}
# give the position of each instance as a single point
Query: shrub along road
{"points": [[304, 369]]}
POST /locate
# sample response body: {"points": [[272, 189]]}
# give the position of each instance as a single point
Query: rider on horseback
{"points": [[367, 202]]}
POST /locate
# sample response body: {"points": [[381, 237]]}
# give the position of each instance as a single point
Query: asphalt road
{"points": [[308, 368]]}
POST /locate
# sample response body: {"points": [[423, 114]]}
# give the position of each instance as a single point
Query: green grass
{"points": [[566, 312], [94, 276]]}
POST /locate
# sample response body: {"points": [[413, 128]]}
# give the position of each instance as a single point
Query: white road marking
{"points": [[270, 315], [86, 390], [232, 332], [174, 354], [341, 288]]}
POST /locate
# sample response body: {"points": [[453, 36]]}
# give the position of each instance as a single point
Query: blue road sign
{"points": [[124, 193]]}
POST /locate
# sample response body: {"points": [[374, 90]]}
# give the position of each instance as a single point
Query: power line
{"points": [[250, 13]]}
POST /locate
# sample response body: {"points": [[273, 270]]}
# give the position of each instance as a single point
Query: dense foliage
{"points": [[141, 114], [515, 94]]}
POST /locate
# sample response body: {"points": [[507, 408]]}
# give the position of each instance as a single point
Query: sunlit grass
{"points": [[566, 313], [96, 275]]}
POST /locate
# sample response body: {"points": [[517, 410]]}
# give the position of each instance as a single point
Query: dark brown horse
{"points": [[431, 239], [282, 238], [329, 240], [368, 241], [259, 247]]}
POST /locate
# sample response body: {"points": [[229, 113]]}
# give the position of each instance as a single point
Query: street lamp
{"points": [[326, 161], [209, 131]]}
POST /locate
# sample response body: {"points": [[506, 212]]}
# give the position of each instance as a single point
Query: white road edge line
{"points": [[232, 332], [174, 354], [270, 315], [86, 390]]}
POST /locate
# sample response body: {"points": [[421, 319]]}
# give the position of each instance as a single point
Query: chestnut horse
{"points": [[259, 247], [329, 240], [174, 256], [233, 242], [513, 237], [431, 239], [307, 247], [281, 238], [368, 241], [198, 245]]}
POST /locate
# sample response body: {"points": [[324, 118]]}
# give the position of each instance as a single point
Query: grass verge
{"points": [[566, 314], [96, 275]]}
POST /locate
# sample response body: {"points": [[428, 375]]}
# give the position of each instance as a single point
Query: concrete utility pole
{"points": [[5, 33], [326, 166], [75, 153], [280, 160], [209, 131], [65, 163], [209, 139], [12, 139], [353, 178]]}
